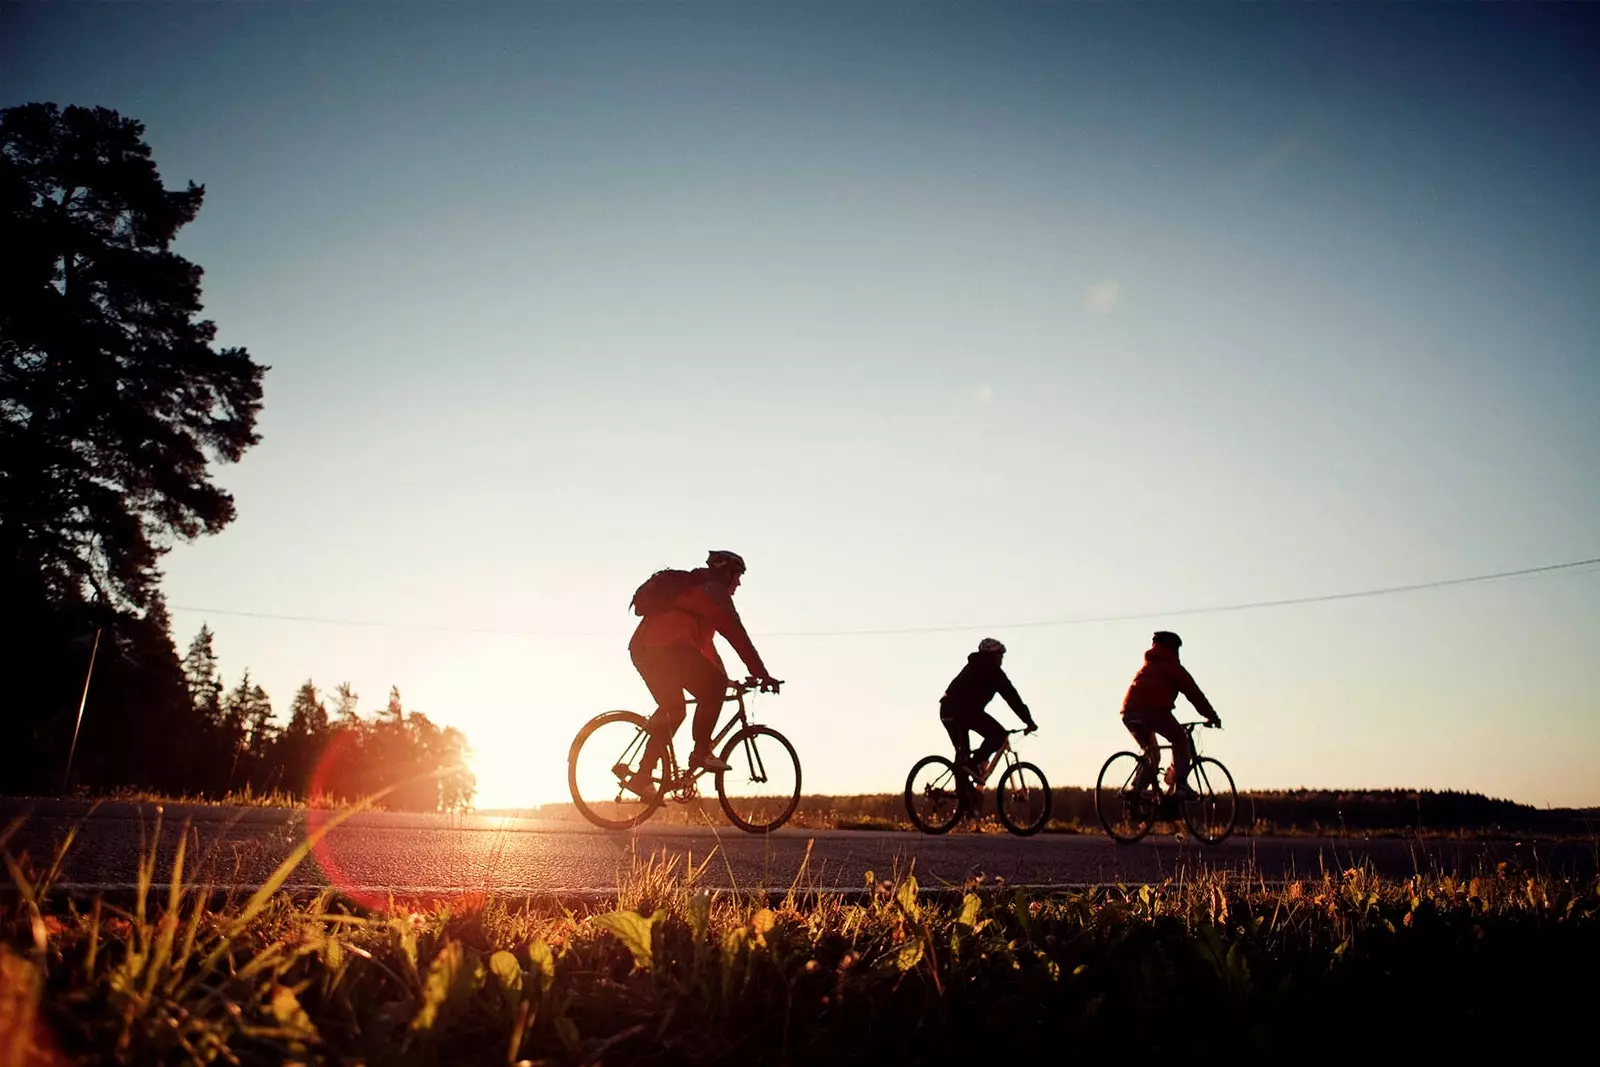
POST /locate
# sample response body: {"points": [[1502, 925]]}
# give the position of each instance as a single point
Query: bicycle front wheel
{"points": [[1022, 799], [761, 787], [1211, 817], [1123, 800], [605, 755], [933, 796]]}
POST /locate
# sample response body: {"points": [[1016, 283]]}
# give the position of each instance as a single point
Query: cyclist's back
{"points": [[1147, 706], [673, 650]]}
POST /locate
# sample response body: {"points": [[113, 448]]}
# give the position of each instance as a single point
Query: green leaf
{"points": [[542, 962], [910, 954], [290, 1015], [453, 974], [503, 965], [633, 930], [907, 897], [700, 912], [567, 1031], [971, 908]]}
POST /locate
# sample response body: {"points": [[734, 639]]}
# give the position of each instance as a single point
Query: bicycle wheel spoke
{"points": [[761, 787], [1022, 798], [1210, 817], [1124, 798], [933, 796], [608, 786]]}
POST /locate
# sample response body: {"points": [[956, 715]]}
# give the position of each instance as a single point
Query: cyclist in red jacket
{"points": [[673, 651], [1147, 707]]}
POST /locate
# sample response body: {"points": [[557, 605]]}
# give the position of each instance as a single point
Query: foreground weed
{"points": [[674, 972]]}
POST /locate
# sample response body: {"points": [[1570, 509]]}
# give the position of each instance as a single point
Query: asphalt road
{"points": [[380, 853]]}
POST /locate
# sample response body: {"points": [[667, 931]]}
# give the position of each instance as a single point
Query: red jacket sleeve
{"points": [[1187, 686], [713, 604]]}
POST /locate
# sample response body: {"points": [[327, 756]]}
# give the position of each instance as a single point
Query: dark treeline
{"points": [[319, 753], [188, 733], [115, 405]]}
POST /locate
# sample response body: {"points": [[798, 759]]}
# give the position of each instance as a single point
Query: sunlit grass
{"points": [[672, 970]]}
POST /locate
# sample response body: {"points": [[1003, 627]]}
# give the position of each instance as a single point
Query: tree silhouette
{"points": [[114, 403]]}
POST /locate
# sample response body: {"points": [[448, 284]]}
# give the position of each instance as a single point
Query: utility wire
{"points": [[869, 632]]}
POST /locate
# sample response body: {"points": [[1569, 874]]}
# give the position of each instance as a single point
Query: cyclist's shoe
{"points": [[706, 761], [1183, 792], [638, 784]]}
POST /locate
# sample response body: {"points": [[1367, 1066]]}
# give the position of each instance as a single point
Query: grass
{"points": [[673, 972]]}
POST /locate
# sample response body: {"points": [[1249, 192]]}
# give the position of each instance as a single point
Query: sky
{"points": [[949, 318]]}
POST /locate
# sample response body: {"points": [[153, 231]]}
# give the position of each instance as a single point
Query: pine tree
{"points": [[201, 676]]}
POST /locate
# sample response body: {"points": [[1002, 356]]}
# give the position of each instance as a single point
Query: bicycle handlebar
{"points": [[766, 685]]}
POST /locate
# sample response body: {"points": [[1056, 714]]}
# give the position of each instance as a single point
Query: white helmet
{"points": [[989, 644]]}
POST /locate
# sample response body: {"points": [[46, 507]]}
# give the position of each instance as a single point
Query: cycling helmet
{"points": [[1168, 638], [989, 644], [720, 558]]}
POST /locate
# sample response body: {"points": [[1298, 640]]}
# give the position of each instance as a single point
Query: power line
{"points": [[869, 632], [1213, 610]]}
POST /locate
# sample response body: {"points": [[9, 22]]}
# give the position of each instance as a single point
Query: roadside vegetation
{"points": [[673, 972]]}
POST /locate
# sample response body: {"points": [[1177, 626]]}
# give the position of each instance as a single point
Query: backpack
{"points": [[660, 591]]}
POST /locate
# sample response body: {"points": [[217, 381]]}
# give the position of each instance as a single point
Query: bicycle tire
{"points": [[1002, 790], [1202, 782], [729, 751], [1111, 801], [953, 793], [592, 814]]}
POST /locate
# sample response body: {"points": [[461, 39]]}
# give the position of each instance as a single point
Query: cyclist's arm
{"points": [[1008, 691], [1187, 686], [716, 606]]}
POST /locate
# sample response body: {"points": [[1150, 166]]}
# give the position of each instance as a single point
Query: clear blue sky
{"points": [[940, 314]]}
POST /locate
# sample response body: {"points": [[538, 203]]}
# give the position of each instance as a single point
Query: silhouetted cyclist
{"points": [[1147, 707], [961, 709], [673, 651]]}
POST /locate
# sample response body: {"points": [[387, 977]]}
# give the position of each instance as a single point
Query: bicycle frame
{"points": [[677, 779], [1163, 798]]}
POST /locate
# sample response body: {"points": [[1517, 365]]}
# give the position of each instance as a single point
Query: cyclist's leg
{"points": [[955, 724], [709, 685], [664, 678], [1166, 724], [1146, 739], [993, 734]]}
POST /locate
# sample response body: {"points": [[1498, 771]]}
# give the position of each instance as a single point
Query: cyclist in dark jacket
{"points": [[962, 707]]}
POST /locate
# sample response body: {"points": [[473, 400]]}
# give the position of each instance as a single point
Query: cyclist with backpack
{"points": [[1147, 707], [961, 709], [672, 649]]}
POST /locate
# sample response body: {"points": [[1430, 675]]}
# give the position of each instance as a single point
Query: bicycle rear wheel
{"points": [[933, 796], [1022, 799], [1211, 817], [1125, 803], [609, 742], [764, 772]]}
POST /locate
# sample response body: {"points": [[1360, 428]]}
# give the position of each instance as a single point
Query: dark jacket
{"points": [[976, 685]]}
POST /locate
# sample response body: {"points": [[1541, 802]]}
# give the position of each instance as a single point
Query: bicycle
{"points": [[1129, 801], [936, 802], [604, 763]]}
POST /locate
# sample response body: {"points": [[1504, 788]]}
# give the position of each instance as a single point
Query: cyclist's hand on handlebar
{"points": [[764, 683], [1032, 727], [1215, 724]]}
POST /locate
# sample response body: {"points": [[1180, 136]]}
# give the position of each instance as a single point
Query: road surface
{"points": [[438, 856]]}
